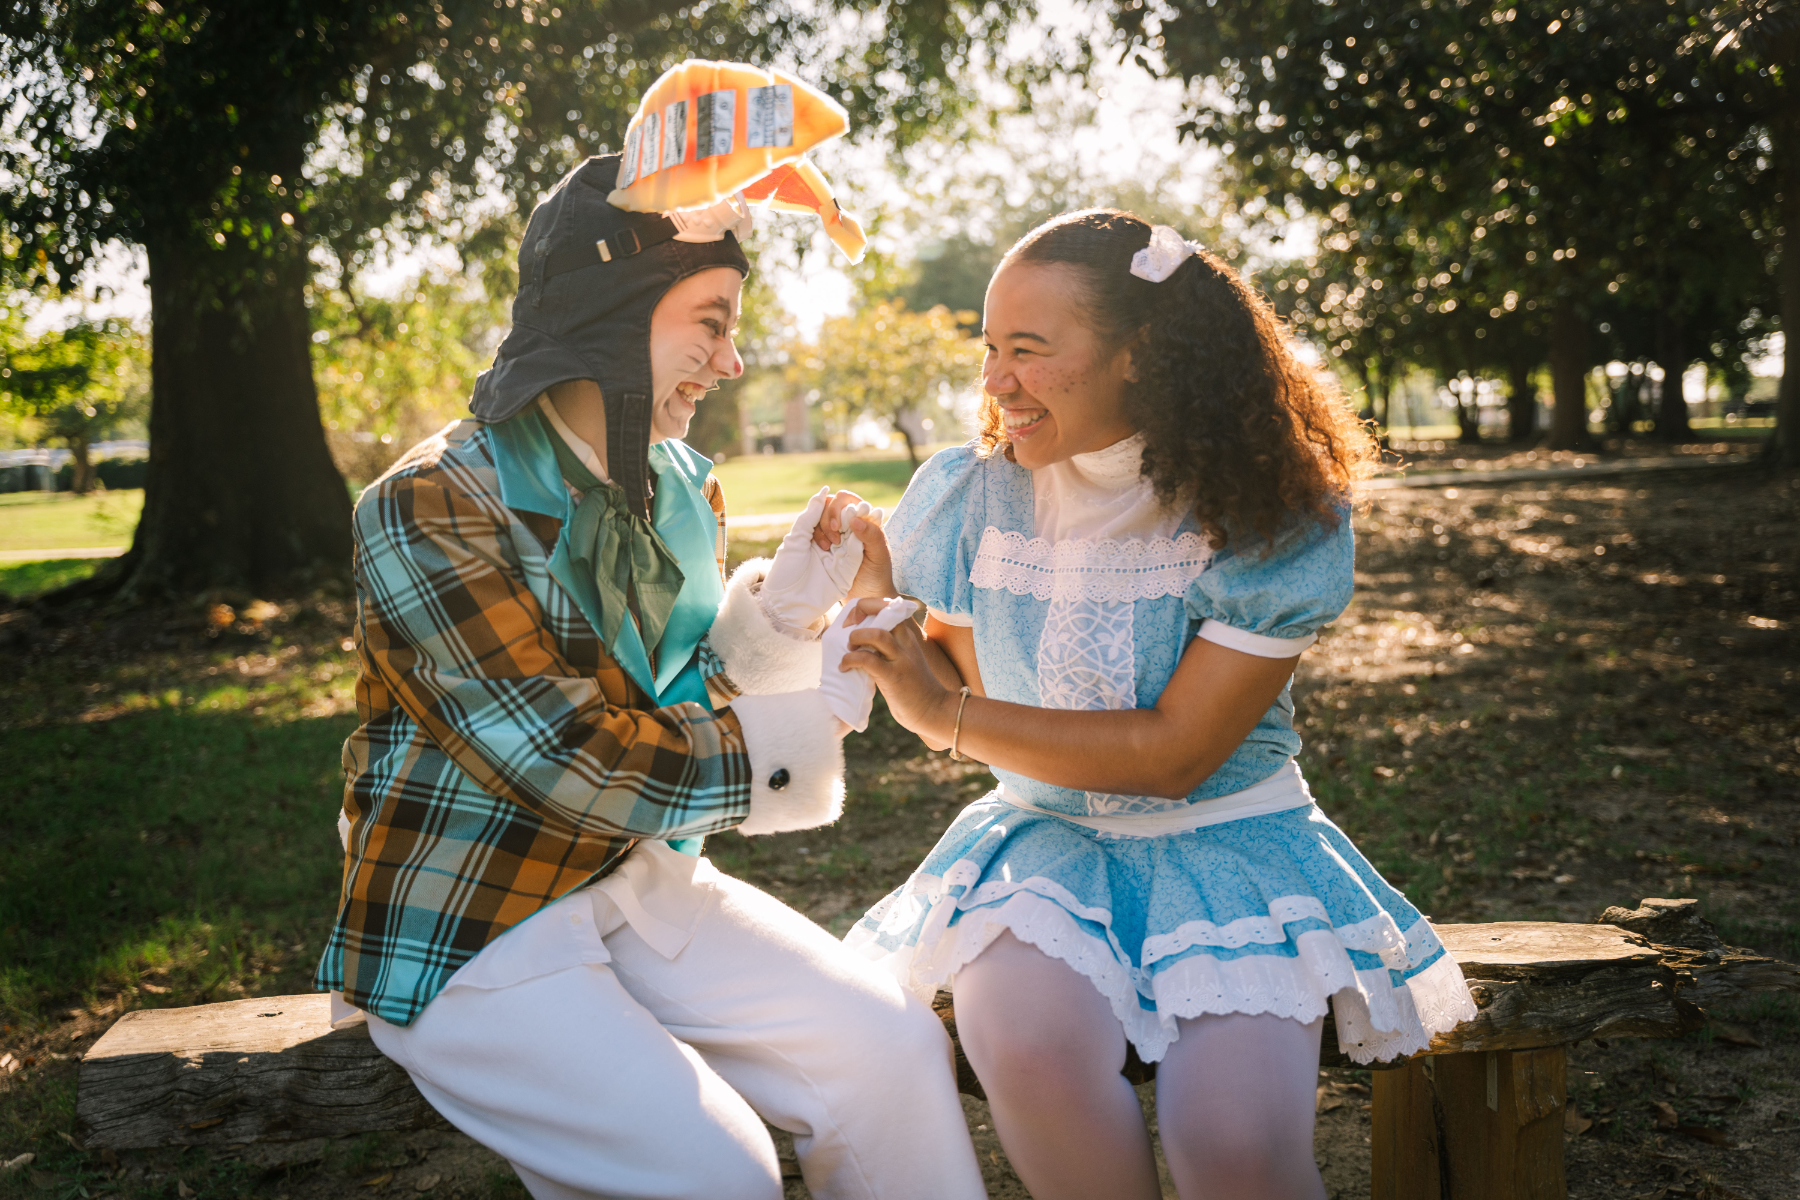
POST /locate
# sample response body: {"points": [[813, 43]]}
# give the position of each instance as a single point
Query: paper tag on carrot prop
{"points": [[708, 129]]}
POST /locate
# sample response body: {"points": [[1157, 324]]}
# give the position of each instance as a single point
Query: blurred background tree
{"points": [[235, 142], [1464, 154], [75, 384], [884, 361], [393, 370]]}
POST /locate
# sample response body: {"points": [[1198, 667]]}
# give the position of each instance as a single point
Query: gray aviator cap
{"points": [[589, 277]]}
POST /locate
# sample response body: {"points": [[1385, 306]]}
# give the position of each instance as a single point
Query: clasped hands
{"points": [[836, 549]]}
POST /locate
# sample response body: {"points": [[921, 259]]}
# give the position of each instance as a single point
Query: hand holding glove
{"points": [[806, 579], [851, 694]]}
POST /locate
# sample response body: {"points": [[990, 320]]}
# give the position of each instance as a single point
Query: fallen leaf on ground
{"points": [[379, 1180], [1574, 1123], [426, 1183], [1324, 1100], [1665, 1114], [1734, 1035], [183, 1190], [13, 1164], [1704, 1133], [72, 1142]]}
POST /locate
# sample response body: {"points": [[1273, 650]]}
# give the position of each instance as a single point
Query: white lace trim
{"points": [[1375, 1020], [1095, 569], [1378, 935]]}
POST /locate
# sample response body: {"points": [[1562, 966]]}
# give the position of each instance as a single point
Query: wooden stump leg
{"points": [[1482, 1126]]}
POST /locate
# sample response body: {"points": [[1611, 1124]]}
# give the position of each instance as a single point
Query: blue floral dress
{"points": [[1274, 912]]}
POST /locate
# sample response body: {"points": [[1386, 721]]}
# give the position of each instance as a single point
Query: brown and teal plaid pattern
{"points": [[504, 759]]}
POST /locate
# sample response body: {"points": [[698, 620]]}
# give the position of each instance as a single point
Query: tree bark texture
{"points": [[241, 492], [1671, 355], [1568, 379], [1784, 447]]}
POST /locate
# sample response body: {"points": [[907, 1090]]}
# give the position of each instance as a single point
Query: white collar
{"points": [[582, 449], [1101, 494], [1119, 465]]}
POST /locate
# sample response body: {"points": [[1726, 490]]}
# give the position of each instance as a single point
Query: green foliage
{"points": [[73, 384], [1474, 170], [349, 126], [885, 361], [392, 370]]}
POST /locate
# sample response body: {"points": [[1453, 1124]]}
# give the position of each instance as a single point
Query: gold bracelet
{"points": [[956, 733]]}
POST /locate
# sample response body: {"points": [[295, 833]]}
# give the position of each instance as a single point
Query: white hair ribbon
{"points": [[1166, 251]]}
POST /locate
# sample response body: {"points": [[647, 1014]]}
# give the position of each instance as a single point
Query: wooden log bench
{"points": [[1477, 1116]]}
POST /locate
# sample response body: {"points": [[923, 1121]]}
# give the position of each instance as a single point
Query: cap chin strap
{"points": [[628, 450]]}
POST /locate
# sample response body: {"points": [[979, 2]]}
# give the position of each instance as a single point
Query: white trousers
{"points": [[651, 1075]]}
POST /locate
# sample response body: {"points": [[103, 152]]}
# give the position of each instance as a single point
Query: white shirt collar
{"points": [[582, 449]]}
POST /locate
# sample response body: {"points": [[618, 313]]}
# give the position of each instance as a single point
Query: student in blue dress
{"points": [[1121, 573]]}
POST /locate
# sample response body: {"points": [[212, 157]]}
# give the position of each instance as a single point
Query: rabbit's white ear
{"points": [[344, 829]]}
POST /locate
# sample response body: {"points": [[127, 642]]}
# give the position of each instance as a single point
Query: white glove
{"points": [[851, 694], [803, 580]]}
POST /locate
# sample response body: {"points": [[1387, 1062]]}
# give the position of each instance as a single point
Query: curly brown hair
{"points": [[1235, 426]]}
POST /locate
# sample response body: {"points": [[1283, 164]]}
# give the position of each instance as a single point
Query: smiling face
{"points": [[691, 346], [1061, 391]]}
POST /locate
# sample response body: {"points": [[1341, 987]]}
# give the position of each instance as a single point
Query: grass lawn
{"points": [[783, 483], [1510, 724], [65, 521], [24, 580]]}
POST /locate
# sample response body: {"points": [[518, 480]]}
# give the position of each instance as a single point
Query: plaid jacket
{"points": [[505, 757]]}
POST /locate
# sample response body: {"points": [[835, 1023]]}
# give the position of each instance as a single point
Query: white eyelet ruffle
{"points": [[1096, 569]]}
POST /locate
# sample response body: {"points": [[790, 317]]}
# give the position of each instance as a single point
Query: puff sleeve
{"points": [[1273, 604], [935, 531]]}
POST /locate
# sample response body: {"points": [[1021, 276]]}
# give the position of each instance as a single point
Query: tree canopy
{"points": [[75, 383], [245, 146], [1597, 164]]}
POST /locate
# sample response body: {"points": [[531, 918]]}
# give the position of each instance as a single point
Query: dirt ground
{"points": [[1546, 698]]}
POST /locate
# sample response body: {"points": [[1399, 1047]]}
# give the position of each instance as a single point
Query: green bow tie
{"points": [[621, 550]]}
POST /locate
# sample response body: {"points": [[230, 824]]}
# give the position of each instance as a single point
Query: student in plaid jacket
{"points": [[561, 696]]}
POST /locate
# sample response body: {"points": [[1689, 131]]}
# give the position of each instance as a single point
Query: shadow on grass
{"points": [[165, 858]]}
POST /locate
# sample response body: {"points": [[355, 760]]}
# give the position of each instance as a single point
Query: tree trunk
{"points": [[1671, 355], [1783, 449], [1568, 379], [241, 492], [1468, 414], [1367, 375], [82, 481], [1521, 405], [1627, 400], [912, 452]]}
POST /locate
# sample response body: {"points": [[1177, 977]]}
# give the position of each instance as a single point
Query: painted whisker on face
{"points": [[691, 347]]}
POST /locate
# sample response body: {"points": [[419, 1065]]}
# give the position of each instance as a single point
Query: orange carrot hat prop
{"points": [[706, 130]]}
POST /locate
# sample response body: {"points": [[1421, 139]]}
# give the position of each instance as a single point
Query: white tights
{"points": [[1234, 1094]]}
